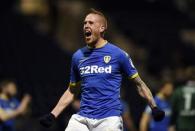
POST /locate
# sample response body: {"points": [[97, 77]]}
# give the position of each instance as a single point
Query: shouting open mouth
{"points": [[87, 33]]}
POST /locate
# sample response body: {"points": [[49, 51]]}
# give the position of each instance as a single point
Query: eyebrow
{"points": [[88, 21]]}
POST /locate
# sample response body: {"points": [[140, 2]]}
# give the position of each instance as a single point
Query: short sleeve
{"points": [[74, 72], [127, 65]]}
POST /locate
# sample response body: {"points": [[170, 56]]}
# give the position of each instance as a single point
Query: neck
{"points": [[161, 95], [100, 43]]}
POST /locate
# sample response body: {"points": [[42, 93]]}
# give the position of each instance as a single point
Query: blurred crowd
{"points": [[38, 38]]}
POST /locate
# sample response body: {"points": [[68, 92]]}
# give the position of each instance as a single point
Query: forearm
{"points": [[145, 92], [143, 89], [143, 127], [4, 116], [64, 101], [128, 122], [144, 122]]}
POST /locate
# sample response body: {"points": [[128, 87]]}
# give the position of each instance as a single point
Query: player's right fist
{"points": [[47, 120]]}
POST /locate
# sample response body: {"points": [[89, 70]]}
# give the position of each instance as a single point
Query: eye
{"points": [[91, 22]]}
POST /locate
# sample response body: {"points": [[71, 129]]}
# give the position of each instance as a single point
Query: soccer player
{"points": [[10, 107], [183, 105], [162, 100], [97, 69]]}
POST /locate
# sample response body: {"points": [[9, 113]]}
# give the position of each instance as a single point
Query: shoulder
{"points": [[113, 46], [117, 50], [157, 99], [176, 95], [79, 53], [178, 91]]}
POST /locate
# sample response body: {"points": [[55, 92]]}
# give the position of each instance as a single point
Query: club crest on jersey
{"points": [[107, 59]]}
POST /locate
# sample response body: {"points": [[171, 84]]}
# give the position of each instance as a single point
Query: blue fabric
{"points": [[163, 125], [100, 72], [8, 106]]}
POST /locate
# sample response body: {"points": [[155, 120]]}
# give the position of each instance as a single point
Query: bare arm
{"points": [[65, 99], [144, 91], [171, 128], [144, 122], [4, 116], [128, 121], [68, 96]]}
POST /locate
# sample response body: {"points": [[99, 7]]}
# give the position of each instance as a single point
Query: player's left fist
{"points": [[158, 114], [47, 120]]}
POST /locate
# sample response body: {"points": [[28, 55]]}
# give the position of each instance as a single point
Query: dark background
{"points": [[37, 40]]}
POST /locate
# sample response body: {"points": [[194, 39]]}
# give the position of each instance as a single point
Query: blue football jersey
{"points": [[162, 125], [8, 106], [100, 72]]}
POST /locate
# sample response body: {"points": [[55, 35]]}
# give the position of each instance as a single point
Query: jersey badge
{"points": [[107, 59]]}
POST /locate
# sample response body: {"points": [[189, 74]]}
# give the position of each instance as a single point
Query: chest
{"points": [[8, 105], [165, 105], [98, 64]]}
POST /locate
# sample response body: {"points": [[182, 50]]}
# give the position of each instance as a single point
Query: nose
{"points": [[86, 25]]}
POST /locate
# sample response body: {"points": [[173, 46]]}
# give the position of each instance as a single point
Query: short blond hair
{"points": [[94, 11]]}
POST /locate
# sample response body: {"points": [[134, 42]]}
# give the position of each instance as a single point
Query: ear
{"points": [[102, 28]]}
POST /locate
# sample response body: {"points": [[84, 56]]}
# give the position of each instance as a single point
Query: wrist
{"points": [[153, 106], [53, 115], [18, 111]]}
